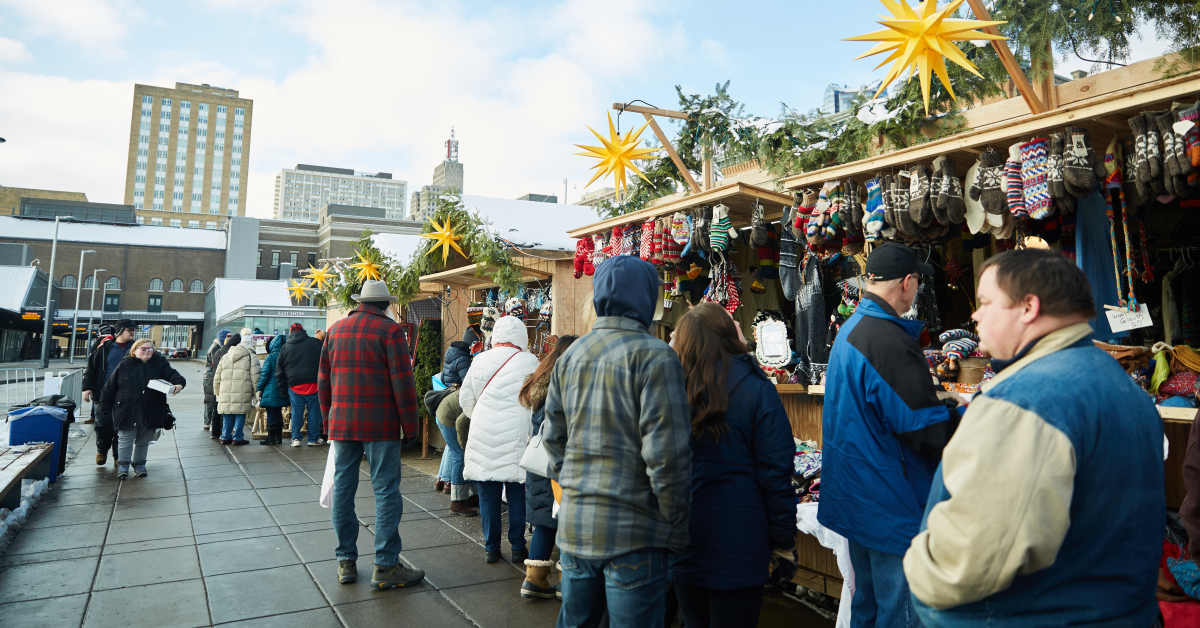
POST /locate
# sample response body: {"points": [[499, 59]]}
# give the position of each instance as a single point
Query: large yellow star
{"points": [[322, 278], [299, 290], [366, 269], [443, 237], [921, 39], [617, 154]]}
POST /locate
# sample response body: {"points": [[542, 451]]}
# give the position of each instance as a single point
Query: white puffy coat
{"points": [[235, 379], [500, 425]]}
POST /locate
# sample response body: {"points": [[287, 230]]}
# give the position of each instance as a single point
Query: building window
{"points": [[141, 220], [176, 222], [68, 282], [147, 100], [312, 259], [154, 303], [156, 221], [197, 286], [193, 224], [176, 285], [112, 303], [87, 282], [293, 257], [156, 285], [112, 283], [210, 225], [274, 259]]}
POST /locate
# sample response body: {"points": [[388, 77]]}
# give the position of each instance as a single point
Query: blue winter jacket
{"points": [[883, 428], [268, 383], [743, 505], [456, 363]]}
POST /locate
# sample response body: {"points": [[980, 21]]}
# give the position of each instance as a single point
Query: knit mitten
{"points": [[581, 253], [989, 188], [787, 256], [1033, 179], [721, 230], [1054, 167], [758, 227], [656, 244], [1174, 157], [1078, 158], [1014, 191], [949, 208], [680, 228], [1191, 139], [808, 204], [855, 200], [589, 264], [646, 246], [919, 207], [1154, 154], [901, 198], [599, 249]]}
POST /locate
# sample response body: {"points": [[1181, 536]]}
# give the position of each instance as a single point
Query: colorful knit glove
{"points": [[1034, 178], [646, 247], [599, 250], [582, 252], [956, 334], [960, 348], [1014, 191], [722, 229]]}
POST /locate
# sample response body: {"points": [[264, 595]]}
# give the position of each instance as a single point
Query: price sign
{"points": [[1121, 319]]}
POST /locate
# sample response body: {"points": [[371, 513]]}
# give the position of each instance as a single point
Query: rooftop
{"points": [[133, 235]]}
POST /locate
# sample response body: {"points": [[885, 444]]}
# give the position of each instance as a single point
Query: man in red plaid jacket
{"points": [[365, 385]]}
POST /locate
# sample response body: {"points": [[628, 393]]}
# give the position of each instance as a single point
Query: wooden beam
{"points": [[1007, 60], [1133, 98], [654, 111], [672, 153], [725, 193]]}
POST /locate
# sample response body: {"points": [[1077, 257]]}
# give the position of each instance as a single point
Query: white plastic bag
{"points": [[327, 481]]}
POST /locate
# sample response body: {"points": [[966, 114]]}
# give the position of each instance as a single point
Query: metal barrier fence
{"points": [[18, 386], [66, 382]]}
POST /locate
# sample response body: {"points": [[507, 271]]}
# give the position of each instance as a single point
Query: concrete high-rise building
{"points": [[302, 192], [447, 179], [188, 154]]}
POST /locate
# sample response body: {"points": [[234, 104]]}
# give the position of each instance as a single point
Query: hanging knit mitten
{"points": [[1136, 193], [857, 203], [670, 248], [1079, 159], [1033, 179], [589, 264], [989, 188], [719, 233], [599, 247], [901, 197], [919, 208], [1154, 154], [758, 227], [646, 246], [1191, 138], [680, 228], [1176, 164], [1014, 188], [656, 245], [808, 204], [787, 256], [943, 181], [1054, 167], [582, 252], [872, 221]]}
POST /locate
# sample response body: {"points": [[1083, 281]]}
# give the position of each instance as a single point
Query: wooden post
{"points": [[1007, 59], [672, 153], [1046, 84]]}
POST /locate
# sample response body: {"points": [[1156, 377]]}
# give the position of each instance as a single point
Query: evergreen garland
{"points": [[428, 360]]}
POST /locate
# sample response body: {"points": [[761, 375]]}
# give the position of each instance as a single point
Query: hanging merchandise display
{"points": [[920, 40]]}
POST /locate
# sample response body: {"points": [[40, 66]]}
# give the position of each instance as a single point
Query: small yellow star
{"points": [[921, 39], [617, 154], [443, 237], [322, 277], [299, 290], [366, 269]]}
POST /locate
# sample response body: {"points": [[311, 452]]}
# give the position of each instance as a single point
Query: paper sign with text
{"points": [[1121, 319]]}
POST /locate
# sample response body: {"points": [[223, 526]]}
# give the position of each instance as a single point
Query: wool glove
{"points": [[1033, 179], [901, 198], [1078, 159], [720, 232], [991, 182], [1054, 167], [1154, 153], [787, 256], [646, 246], [1014, 191], [598, 250], [919, 207], [1174, 158], [581, 253]]}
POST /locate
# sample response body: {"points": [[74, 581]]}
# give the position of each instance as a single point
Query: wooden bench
{"points": [[19, 462]]}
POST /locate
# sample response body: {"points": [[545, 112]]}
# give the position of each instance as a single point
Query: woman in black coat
{"points": [[539, 496], [136, 411]]}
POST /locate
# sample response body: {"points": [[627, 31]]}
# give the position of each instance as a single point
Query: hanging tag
{"points": [[1182, 127], [1079, 145], [1121, 319]]}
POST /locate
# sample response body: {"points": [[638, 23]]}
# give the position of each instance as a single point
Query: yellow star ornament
{"points": [[617, 154], [299, 290], [443, 237], [366, 269], [921, 39], [321, 278]]}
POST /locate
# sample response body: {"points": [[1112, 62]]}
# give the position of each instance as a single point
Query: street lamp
{"points": [[92, 302], [49, 287], [75, 317]]}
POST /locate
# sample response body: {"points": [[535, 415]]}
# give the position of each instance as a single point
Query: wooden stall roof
{"points": [[1130, 90], [739, 197], [468, 276]]}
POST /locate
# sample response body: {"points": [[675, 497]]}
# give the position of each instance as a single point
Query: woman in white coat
{"points": [[233, 384], [499, 433]]}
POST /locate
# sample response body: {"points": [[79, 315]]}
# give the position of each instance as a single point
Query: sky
{"points": [[376, 85]]}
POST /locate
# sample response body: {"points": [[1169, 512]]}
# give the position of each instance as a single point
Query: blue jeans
{"points": [[299, 403], [542, 544], [232, 425], [452, 457], [881, 596], [383, 457], [632, 586], [489, 514]]}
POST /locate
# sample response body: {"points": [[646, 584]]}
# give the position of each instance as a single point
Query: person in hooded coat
{"points": [[133, 409], [272, 397], [499, 433], [212, 418], [457, 360], [237, 374]]}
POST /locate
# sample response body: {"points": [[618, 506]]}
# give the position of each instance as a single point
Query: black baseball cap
{"points": [[892, 260]]}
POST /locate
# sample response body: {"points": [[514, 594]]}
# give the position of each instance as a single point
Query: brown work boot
{"points": [[102, 458], [463, 508]]}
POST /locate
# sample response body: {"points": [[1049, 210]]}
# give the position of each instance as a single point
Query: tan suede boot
{"points": [[537, 580]]}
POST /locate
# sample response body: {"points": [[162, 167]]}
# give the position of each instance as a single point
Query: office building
{"points": [[188, 155], [447, 179], [302, 192], [10, 198]]}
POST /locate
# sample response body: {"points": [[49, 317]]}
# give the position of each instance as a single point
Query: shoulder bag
{"points": [[535, 459]]}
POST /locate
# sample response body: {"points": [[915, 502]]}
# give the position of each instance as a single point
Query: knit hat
{"points": [[296, 327], [475, 314]]}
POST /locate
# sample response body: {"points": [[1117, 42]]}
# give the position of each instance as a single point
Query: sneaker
{"points": [[102, 458], [295, 442], [492, 556], [314, 443], [139, 472], [396, 576], [322, 441], [122, 473], [519, 556], [347, 571]]}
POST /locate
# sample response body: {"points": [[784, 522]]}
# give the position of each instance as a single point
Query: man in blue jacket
{"points": [[884, 429], [1048, 507]]}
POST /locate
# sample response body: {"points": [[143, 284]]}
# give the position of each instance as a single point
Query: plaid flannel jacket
{"points": [[365, 382], [617, 431]]}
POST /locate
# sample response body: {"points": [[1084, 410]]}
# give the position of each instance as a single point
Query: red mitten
{"points": [[656, 252], [646, 249], [581, 253]]}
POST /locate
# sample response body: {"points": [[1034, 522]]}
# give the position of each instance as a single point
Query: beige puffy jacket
{"points": [[237, 373]]}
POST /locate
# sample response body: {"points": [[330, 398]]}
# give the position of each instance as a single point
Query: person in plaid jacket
{"points": [[367, 394]]}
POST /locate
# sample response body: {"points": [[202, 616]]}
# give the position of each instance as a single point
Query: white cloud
{"points": [[717, 54], [13, 51], [383, 82], [97, 25]]}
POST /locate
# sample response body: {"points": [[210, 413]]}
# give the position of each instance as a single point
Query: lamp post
{"points": [[75, 316], [49, 288], [92, 302]]}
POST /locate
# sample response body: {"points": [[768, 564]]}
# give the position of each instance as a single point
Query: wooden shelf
{"points": [[1177, 415], [739, 197], [791, 389]]}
